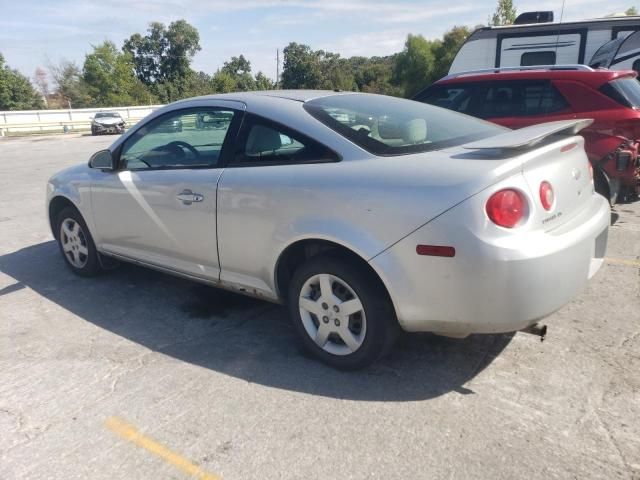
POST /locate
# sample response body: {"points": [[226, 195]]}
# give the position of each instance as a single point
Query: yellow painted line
{"points": [[132, 434], [622, 261]]}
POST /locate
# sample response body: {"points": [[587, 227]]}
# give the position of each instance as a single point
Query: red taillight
{"points": [[546, 195], [506, 207], [590, 170]]}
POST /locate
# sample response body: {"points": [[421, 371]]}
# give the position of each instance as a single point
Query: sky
{"points": [[36, 33]]}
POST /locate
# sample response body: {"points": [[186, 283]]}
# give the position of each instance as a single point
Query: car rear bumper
{"points": [[492, 285]]}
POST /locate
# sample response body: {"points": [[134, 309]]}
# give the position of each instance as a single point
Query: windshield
{"points": [[625, 91], [107, 115], [393, 126]]}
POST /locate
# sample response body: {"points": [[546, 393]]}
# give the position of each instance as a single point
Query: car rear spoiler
{"points": [[528, 137]]}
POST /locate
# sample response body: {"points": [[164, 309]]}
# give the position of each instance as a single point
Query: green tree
{"points": [[505, 13], [374, 74], [239, 68], [69, 84], [109, 79], [263, 82], [16, 92], [164, 53], [307, 68], [183, 43], [415, 65], [223, 82], [631, 11], [301, 67], [446, 50]]}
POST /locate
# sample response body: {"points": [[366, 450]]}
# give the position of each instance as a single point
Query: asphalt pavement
{"points": [[139, 375]]}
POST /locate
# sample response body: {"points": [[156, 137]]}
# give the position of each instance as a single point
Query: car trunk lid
{"points": [[549, 153]]}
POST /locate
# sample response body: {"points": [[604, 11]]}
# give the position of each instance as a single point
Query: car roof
{"points": [[593, 78], [247, 97]]}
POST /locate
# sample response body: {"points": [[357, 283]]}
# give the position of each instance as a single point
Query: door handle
{"points": [[187, 197]]}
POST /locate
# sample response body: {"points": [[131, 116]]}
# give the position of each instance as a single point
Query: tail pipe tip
{"points": [[536, 329]]}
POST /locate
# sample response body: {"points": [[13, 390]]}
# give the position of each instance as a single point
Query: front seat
{"points": [[262, 141], [414, 131]]}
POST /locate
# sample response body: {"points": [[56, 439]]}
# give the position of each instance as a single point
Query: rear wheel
{"points": [[76, 243], [603, 186], [341, 312]]}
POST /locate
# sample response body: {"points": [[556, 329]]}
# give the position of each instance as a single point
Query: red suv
{"points": [[518, 97]]}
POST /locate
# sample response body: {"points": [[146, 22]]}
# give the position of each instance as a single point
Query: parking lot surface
{"points": [[139, 375]]}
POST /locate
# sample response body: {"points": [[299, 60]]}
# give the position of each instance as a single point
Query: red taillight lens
{"points": [[546, 195], [590, 170], [506, 207]]}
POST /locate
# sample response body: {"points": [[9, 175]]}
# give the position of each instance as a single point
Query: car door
{"points": [[159, 206], [255, 199]]}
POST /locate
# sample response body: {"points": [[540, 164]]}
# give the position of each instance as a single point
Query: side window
{"points": [[189, 138], [452, 97], [499, 101], [521, 99], [530, 59], [265, 142], [542, 99]]}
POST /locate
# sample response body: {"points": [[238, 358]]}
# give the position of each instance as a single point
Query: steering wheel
{"points": [[185, 145]]}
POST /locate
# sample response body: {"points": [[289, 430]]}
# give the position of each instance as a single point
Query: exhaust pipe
{"points": [[536, 329]]}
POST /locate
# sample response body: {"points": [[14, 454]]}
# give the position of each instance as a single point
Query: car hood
{"points": [[108, 121], [70, 173]]}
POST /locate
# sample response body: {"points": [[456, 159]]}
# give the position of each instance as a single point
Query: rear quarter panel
{"points": [[365, 205]]}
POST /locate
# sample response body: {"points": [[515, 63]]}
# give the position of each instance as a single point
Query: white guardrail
{"points": [[22, 122]]}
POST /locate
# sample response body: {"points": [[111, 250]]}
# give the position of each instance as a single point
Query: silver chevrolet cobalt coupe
{"points": [[365, 214]]}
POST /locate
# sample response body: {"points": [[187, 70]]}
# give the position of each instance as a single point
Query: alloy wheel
{"points": [[332, 314], [74, 243]]}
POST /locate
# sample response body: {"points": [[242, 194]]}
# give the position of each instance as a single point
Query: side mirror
{"points": [[102, 160]]}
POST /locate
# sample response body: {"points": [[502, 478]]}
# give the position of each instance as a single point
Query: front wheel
{"points": [[341, 312], [76, 243]]}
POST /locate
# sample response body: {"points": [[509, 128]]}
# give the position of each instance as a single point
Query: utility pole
{"points": [[277, 68]]}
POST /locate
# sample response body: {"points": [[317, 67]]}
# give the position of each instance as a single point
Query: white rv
{"points": [[550, 44]]}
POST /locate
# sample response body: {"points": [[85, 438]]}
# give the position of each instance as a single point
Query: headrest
{"points": [[414, 131], [262, 139]]}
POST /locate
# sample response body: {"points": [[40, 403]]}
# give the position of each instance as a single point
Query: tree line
{"points": [[155, 67]]}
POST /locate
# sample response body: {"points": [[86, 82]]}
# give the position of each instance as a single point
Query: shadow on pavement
{"points": [[242, 337]]}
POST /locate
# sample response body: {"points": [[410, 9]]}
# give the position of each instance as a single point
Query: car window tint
{"points": [[262, 141], [518, 99], [184, 139], [453, 97]]}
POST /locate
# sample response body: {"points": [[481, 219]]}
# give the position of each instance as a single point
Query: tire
{"points": [[76, 244], [370, 331], [602, 186]]}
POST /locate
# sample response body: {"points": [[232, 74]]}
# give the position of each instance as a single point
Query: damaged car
{"points": [[107, 122]]}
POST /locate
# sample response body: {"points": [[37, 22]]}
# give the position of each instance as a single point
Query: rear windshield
{"points": [[107, 115], [625, 91], [393, 126]]}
